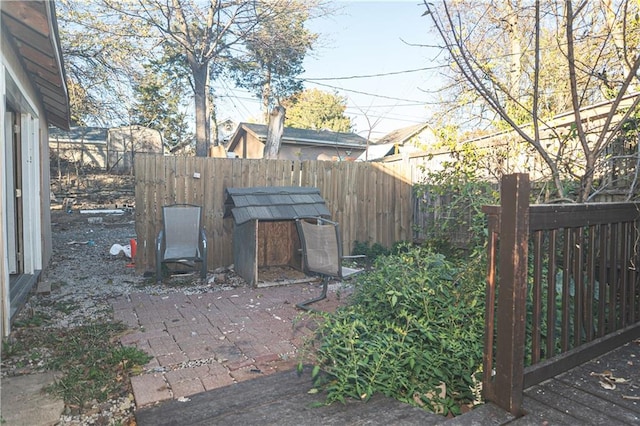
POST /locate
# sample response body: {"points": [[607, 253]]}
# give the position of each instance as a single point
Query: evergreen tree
{"points": [[159, 94]]}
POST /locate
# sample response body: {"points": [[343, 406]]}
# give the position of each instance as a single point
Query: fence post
{"points": [[512, 291]]}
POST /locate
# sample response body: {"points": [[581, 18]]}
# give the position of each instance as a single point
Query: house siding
{"points": [[252, 148], [297, 144], [18, 91]]}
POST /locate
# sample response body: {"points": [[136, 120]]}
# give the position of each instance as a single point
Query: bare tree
{"points": [[207, 33], [554, 54]]}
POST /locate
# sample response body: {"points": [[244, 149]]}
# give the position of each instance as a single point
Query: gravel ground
{"points": [[84, 275]]}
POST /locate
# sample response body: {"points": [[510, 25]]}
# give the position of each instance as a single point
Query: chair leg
{"points": [[203, 271], [158, 269], [323, 295]]}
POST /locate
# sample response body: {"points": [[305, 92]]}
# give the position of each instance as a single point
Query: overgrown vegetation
{"points": [[413, 331], [414, 327], [94, 365]]}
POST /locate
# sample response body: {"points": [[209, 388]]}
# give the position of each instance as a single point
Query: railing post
{"points": [[512, 291]]}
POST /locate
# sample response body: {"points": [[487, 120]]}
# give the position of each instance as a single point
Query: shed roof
{"points": [[273, 203], [79, 134]]}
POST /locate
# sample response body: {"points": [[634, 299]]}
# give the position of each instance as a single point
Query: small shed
{"points": [[264, 232]]}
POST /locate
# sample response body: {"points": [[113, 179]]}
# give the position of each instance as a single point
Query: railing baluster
{"points": [[578, 282], [551, 295], [602, 292], [537, 296], [589, 285], [613, 277], [624, 274], [566, 285]]}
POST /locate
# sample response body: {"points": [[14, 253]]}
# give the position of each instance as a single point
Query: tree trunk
{"points": [[200, 77], [274, 133], [266, 95]]}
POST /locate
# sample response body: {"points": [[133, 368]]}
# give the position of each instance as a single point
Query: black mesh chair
{"points": [[322, 253]]}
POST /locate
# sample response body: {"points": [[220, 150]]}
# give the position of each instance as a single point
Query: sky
{"points": [[367, 38]]}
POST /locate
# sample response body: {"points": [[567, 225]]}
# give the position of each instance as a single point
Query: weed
{"points": [[66, 307], [34, 320], [95, 366], [11, 348], [58, 285]]}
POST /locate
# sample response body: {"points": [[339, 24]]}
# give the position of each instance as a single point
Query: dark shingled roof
{"points": [[307, 136], [273, 203]]}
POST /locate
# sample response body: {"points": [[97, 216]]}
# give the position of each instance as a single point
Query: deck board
{"points": [[573, 397], [594, 402], [281, 399], [577, 397], [542, 414]]}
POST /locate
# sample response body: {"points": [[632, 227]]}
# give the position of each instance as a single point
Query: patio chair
{"points": [[182, 239], [322, 253]]}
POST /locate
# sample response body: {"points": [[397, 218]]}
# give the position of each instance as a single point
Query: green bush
{"points": [[415, 322]]}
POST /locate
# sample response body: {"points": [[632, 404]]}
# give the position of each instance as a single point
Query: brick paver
{"points": [[206, 341]]}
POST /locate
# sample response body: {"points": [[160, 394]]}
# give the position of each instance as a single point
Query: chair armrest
{"points": [[320, 219]]}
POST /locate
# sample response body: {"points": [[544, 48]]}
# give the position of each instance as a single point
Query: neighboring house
{"points": [[249, 140], [226, 128], [34, 95], [406, 140], [505, 152], [106, 149]]}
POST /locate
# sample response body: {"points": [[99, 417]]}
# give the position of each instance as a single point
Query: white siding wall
{"points": [[4, 260], [16, 90]]}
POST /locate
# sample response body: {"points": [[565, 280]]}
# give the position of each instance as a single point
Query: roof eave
{"points": [[43, 63]]}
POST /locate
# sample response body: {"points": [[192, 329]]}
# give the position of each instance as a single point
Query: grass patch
{"points": [[95, 366], [66, 307], [36, 320]]}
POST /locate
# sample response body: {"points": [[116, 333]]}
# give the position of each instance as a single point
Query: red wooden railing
{"points": [[563, 287]]}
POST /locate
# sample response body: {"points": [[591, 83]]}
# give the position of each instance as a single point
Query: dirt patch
{"points": [[92, 191]]}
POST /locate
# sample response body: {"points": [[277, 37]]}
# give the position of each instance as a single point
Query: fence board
{"points": [[364, 198]]}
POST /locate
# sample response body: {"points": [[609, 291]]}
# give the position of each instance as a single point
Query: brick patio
{"points": [[206, 341]]}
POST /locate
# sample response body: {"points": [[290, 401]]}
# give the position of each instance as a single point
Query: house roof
{"points": [[387, 145], [292, 135], [400, 136], [377, 151], [273, 203], [589, 113], [32, 29], [96, 135]]}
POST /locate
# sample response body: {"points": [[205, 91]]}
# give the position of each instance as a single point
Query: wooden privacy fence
{"points": [[567, 285], [371, 201]]}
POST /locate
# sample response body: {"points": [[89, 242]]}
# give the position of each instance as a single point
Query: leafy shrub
{"points": [[415, 323], [372, 252]]}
